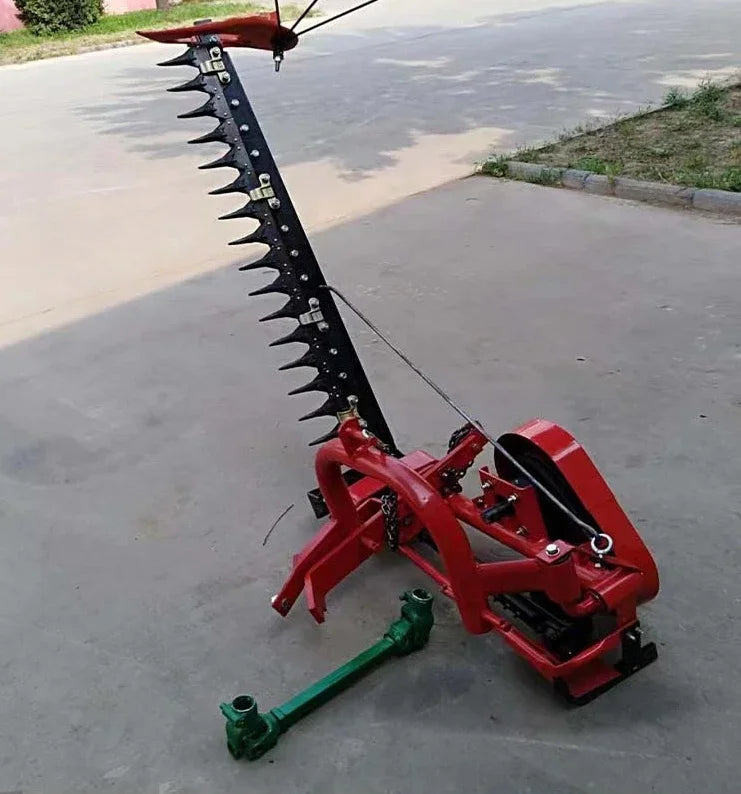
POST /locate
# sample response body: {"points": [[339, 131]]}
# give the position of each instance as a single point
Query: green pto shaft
{"points": [[250, 734]]}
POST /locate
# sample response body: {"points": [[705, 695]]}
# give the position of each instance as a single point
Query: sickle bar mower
{"points": [[567, 604]]}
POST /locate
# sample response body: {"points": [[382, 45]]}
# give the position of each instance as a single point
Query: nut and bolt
{"points": [[551, 549], [234, 103]]}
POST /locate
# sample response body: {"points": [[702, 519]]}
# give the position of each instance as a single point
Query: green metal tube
{"points": [[250, 734], [337, 681]]}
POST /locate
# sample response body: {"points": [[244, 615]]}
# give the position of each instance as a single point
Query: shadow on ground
{"points": [[530, 74], [146, 451]]}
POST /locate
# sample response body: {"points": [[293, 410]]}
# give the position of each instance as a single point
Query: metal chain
{"points": [[390, 510], [458, 435]]}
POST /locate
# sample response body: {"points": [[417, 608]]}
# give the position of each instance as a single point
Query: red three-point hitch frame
{"points": [[545, 605]]}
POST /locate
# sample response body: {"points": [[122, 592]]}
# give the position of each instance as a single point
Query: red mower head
{"points": [[257, 32]]}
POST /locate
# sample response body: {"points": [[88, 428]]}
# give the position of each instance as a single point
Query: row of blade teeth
{"points": [[285, 283]]}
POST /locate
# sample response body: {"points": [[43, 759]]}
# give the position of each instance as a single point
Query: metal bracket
{"points": [[314, 315], [215, 65], [351, 412], [265, 191]]}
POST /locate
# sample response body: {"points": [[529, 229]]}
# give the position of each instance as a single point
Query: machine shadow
{"points": [[443, 82]]}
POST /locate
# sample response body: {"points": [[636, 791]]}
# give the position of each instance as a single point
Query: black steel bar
{"points": [[340, 373], [304, 13], [336, 16]]}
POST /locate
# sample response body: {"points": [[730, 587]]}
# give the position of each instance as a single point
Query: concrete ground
{"points": [[147, 449], [100, 200]]}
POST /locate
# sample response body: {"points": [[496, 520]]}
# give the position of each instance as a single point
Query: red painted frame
{"points": [[256, 32], [572, 578]]}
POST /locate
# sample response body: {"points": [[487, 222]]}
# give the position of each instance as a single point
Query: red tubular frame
{"points": [[571, 577]]}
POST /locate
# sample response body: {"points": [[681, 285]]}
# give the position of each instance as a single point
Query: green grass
{"points": [[598, 166], [495, 166], [695, 140], [21, 45]]}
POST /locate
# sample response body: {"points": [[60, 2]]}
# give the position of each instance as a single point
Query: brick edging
{"points": [[721, 201]]}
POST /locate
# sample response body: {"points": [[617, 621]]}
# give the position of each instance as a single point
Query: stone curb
{"points": [[720, 201]]}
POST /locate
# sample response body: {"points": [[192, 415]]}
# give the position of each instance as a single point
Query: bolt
{"points": [[304, 277], [225, 77], [274, 203], [521, 531], [313, 303], [551, 549], [234, 103], [284, 228], [255, 153], [332, 351], [293, 252], [322, 326], [244, 127], [342, 376], [485, 485], [352, 400]]}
